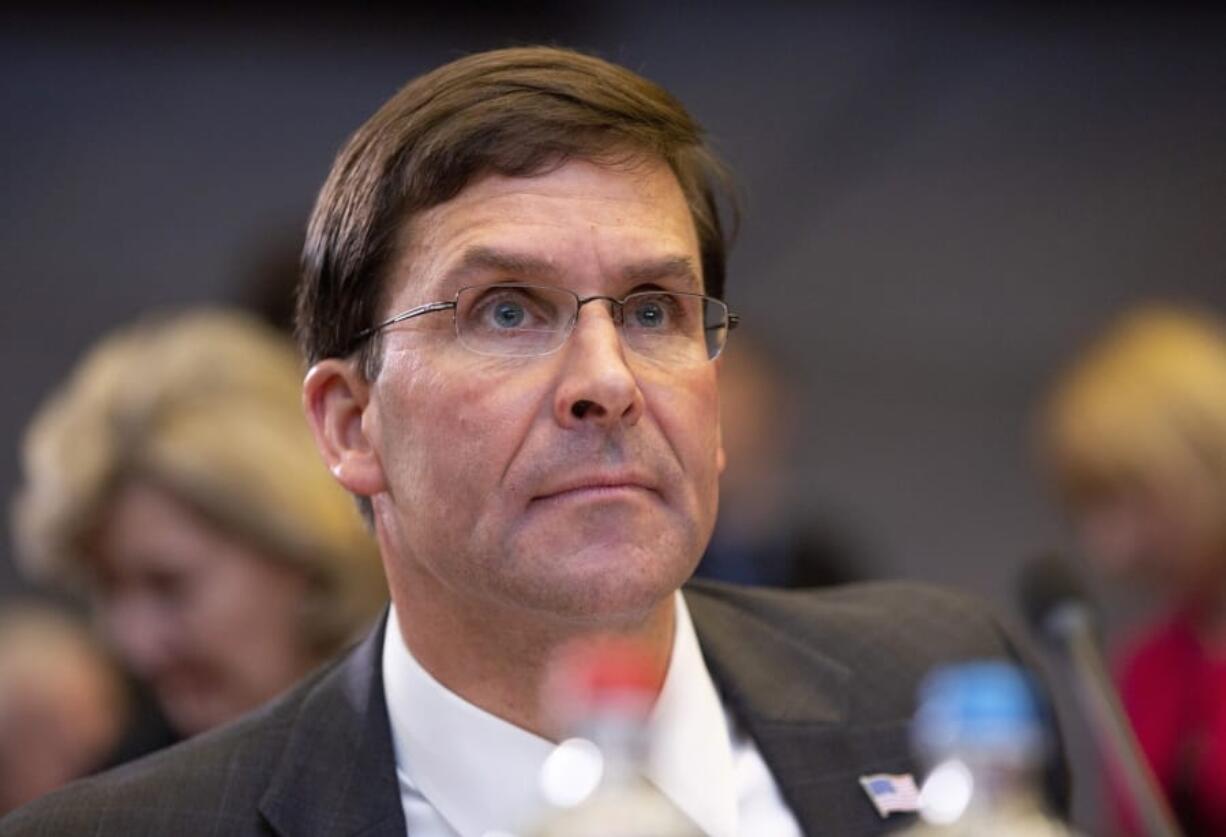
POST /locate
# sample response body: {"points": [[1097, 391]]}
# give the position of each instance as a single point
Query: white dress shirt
{"points": [[464, 772]]}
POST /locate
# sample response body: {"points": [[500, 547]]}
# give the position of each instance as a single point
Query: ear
{"points": [[336, 397]]}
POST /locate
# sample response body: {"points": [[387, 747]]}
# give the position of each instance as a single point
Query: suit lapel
{"points": [[797, 705], [337, 775]]}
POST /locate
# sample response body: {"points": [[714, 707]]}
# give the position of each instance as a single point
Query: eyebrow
{"points": [[481, 258], [668, 267]]}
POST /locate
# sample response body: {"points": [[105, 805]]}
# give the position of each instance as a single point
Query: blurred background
{"points": [[941, 204]]}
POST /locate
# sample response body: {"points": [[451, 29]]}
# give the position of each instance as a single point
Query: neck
{"points": [[498, 657]]}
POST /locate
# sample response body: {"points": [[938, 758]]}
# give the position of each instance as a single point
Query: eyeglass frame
{"points": [[733, 320]]}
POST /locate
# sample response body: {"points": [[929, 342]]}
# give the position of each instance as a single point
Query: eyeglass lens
{"points": [[527, 320]]}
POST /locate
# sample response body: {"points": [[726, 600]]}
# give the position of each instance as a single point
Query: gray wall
{"points": [[939, 206]]}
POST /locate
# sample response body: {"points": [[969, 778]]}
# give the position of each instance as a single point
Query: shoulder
{"points": [[854, 654], [883, 637], [210, 783], [910, 617]]}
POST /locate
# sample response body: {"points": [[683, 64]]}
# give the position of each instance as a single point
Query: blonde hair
{"points": [[1145, 407], [206, 405]]}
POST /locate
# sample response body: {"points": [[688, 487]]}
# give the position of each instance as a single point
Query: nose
{"points": [[596, 385]]}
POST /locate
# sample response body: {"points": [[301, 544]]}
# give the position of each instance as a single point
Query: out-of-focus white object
{"points": [[594, 781], [979, 731]]}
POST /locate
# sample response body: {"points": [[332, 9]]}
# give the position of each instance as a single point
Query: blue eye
{"points": [[508, 314], [650, 314]]}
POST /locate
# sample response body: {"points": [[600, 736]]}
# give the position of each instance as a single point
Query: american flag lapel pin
{"points": [[892, 793]]}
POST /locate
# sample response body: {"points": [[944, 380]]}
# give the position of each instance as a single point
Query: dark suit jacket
{"points": [[824, 682]]}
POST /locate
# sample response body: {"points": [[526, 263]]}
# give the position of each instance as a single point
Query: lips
{"points": [[596, 486]]}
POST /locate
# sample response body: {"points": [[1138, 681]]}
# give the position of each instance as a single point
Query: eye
{"points": [[650, 314], [503, 309], [513, 320], [507, 313], [655, 312]]}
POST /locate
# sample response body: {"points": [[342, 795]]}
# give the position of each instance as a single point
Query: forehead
{"points": [[145, 526], [580, 224]]}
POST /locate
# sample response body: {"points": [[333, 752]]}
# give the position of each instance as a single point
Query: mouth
{"points": [[598, 487]]}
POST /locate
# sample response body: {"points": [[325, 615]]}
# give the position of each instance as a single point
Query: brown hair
{"points": [[516, 112]]}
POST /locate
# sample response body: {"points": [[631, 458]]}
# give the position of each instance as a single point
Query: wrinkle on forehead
{"points": [[499, 213]]}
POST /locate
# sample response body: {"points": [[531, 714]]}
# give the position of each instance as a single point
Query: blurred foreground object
{"points": [[1134, 439], [1055, 601], [980, 732], [62, 703], [174, 479], [595, 779]]}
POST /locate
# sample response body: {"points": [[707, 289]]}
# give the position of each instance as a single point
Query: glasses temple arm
{"points": [[427, 308]]}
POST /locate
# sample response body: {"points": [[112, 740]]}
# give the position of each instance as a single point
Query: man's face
{"points": [[583, 483]]}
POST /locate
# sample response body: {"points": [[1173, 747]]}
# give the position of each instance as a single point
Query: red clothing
{"points": [[1175, 695]]}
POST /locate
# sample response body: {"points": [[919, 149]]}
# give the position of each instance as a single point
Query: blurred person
{"points": [[63, 706], [173, 479], [758, 538], [1134, 438]]}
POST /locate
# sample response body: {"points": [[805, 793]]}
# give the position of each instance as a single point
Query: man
{"points": [[513, 365]]}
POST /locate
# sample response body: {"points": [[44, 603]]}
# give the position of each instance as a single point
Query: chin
{"points": [[609, 588], [187, 721], [191, 715]]}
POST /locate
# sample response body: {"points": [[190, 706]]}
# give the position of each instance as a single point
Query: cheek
{"points": [[688, 414], [217, 613], [250, 631], [241, 596], [1114, 537], [458, 431]]}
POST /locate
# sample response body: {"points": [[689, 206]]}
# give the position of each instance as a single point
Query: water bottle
{"points": [[979, 731], [593, 783]]}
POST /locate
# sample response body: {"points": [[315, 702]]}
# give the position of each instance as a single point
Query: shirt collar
{"points": [[692, 754], [480, 772]]}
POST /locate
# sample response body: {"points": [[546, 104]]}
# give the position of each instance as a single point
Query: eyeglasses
{"points": [[512, 320]]}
